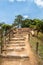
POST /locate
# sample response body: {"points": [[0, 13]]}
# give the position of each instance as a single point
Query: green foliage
{"points": [[26, 23], [6, 27], [34, 24], [39, 26], [2, 23], [33, 41], [18, 20]]}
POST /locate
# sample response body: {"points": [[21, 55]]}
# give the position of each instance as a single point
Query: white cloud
{"points": [[17, 0], [39, 2], [25, 16], [20, 0], [11, 0]]}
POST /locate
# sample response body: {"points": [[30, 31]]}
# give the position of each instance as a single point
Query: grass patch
{"points": [[34, 40]]}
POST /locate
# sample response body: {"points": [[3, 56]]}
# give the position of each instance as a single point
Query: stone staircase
{"points": [[16, 47]]}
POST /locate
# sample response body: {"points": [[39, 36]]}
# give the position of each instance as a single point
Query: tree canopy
{"points": [[19, 20]]}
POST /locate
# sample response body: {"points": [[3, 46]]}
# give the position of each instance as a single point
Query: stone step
{"points": [[19, 55], [19, 35], [14, 56], [15, 45], [15, 36], [16, 42], [17, 48], [15, 53], [17, 39], [8, 50], [14, 49]]}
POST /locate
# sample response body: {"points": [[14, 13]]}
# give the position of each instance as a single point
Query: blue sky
{"points": [[27, 8]]}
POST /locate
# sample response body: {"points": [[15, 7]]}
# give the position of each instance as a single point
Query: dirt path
{"points": [[32, 57], [31, 61]]}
